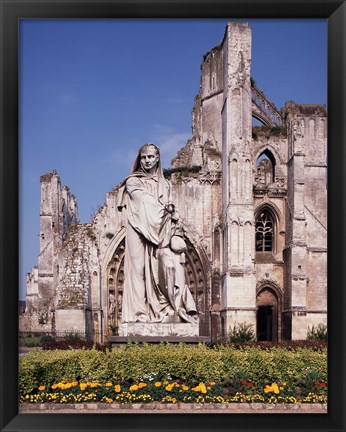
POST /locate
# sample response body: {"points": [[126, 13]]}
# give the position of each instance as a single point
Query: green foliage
{"points": [[74, 344], [228, 366], [72, 336], [114, 329], [182, 170], [44, 339], [242, 332], [318, 333]]}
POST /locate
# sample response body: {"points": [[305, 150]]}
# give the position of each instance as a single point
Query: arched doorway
{"points": [[195, 277], [267, 305]]}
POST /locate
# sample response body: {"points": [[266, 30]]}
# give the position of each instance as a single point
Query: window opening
{"points": [[264, 233]]}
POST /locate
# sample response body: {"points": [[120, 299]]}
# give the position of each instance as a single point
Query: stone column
{"points": [[306, 225], [238, 278], [295, 253], [50, 234]]}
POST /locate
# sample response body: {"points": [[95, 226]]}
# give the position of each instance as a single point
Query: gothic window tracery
{"points": [[264, 232]]}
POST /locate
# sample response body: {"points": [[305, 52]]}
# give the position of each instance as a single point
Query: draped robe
{"points": [[154, 284]]}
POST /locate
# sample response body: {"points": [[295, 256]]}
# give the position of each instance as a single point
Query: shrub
{"points": [[230, 367], [114, 329], [73, 344], [242, 332], [44, 339], [314, 344], [318, 333], [72, 336]]}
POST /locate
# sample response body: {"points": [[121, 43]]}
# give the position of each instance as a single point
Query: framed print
{"points": [[199, 250]]}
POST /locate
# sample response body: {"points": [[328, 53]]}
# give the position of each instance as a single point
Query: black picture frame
{"points": [[13, 10]]}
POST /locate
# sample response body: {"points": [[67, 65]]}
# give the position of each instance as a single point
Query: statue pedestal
{"points": [[161, 329]]}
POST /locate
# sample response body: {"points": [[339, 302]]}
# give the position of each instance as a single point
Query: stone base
{"points": [[162, 329]]}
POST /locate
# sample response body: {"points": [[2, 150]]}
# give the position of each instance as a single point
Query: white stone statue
{"points": [[154, 284]]}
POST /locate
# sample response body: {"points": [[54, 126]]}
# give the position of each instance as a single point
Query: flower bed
{"points": [[182, 373], [170, 391]]}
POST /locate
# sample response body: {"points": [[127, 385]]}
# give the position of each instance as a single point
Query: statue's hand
{"points": [[175, 216], [170, 207]]}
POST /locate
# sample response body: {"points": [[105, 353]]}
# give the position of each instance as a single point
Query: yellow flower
{"points": [[108, 384], [141, 385], [200, 388], [268, 389], [117, 388], [83, 386], [169, 387], [41, 388], [108, 400], [157, 384], [184, 387], [134, 387], [273, 388]]}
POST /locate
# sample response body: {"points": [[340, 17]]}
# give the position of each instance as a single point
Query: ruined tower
{"points": [[237, 278]]}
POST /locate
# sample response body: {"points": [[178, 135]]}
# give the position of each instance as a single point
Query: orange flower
{"points": [[157, 384], [108, 400], [134, 387], [108, 384], [273, 388], [117, 388], [41, 388]]}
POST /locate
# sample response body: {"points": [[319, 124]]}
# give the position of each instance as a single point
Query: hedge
{"points": [[190, 364]]}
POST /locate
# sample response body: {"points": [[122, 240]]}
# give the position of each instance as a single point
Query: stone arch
{"points": [[270, 149], [114, 278], [197, 277], [266, 167], [274, 209], [268, 310]]}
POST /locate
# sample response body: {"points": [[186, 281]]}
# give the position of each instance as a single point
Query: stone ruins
{"points": [[253, 203]]}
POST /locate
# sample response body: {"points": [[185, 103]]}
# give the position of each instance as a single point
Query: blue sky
{"points": [[93, 91]]}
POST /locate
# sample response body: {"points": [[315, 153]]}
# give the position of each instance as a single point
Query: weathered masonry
{"points": [[256, 232]]}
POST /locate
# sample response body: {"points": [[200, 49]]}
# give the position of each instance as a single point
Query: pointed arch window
{"points": [[266, 167], [264, 232]]}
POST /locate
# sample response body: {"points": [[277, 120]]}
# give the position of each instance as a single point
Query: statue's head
{"points": [[149, 157]]}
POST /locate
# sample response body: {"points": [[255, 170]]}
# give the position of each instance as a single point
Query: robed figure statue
{"points": [[154, 284]]}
